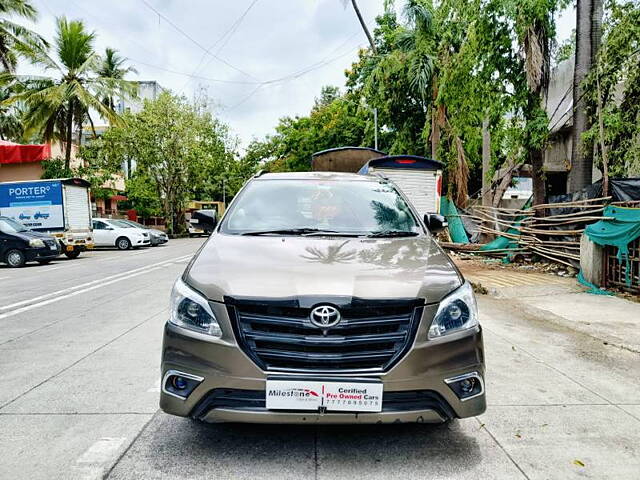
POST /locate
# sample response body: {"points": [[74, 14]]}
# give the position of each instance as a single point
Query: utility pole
{"points": [[375, 127]]}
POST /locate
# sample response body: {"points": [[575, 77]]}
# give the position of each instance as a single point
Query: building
{"points": [[147, 90], [559, 108]]}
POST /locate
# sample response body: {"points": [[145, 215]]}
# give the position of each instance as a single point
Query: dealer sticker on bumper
{"points": [[334, 396]]}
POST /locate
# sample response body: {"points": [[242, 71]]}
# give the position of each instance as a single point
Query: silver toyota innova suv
{"points": [[322, 298]]}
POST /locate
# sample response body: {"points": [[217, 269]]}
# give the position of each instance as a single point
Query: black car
{"points": [[19, 245]]}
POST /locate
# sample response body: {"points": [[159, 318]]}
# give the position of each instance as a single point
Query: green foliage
{"points": [[566, 49], [335, 120], [57, 104], [15, 39], [618, 73], [179, 153]]}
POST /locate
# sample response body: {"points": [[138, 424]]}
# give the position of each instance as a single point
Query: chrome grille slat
{"points": [[371, 336]]}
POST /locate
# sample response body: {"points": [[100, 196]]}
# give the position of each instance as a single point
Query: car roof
{"points": [[324, 176]]}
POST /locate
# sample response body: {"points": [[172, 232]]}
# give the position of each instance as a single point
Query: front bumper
{"points": [[227, 373], [159, 240], [34, 254]]}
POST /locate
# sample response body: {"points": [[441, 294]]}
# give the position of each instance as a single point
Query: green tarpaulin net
{"points": [[505, 243], [456, 228], [619, 232]]}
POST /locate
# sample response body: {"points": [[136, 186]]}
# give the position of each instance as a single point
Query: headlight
{"points": [[191, 310], [36, 243], [456, 312]]}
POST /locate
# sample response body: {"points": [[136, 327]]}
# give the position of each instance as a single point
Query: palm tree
{"points": [[57, 104], [10, 126], [112, 67], [15, 37]]}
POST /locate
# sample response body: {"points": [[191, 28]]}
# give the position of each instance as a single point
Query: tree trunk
{"points": [[364, 26], [486, 162], [435, 133], [603, 146], [588, 36], [69, 136], [536, 153]]}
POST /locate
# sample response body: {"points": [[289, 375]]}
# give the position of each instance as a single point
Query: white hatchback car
{"points": [[109, 232]]}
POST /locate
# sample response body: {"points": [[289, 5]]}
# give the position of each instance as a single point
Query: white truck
{"points": [[419, 178], [59, 207]]}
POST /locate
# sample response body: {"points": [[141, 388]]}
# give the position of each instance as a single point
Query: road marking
{"points": [[102, 451], [93, 282], [72, 294], [4, 278], [142, 252]]}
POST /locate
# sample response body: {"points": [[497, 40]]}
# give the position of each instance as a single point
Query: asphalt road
{"points": [[79, 351]]}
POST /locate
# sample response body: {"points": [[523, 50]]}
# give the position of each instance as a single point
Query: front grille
{"points": [[50, 243], [254, 401], [279, 336]]}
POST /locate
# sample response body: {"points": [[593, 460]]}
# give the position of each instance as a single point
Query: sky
{"points": [[233, 47]]}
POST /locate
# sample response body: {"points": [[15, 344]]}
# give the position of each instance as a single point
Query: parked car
{"points": [[19, 245], [157, 237], [202, 222], [323, 298], [109, 232]]}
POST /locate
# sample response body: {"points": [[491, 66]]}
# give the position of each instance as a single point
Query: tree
{"points": [[179, 154], [10, 125], [588, 35], [335, 120], [14, 38], [613, 94], [57, 104], [112, 68]]}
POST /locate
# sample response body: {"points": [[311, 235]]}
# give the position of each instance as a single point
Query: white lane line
{"points": [[142, 252], [102, 451], [83, 285], [4, 278], [72, 294]]}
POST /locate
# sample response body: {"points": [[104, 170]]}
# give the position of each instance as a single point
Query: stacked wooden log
{"points": [[551, 231]]}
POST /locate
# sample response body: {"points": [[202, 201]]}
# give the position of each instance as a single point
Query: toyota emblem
{"points": [[325, 316]]}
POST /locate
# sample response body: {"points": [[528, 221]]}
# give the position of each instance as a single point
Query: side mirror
{"points": [[434, 222]]}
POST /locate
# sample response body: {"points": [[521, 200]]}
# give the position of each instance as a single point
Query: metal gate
{"points": [[615, 271]]}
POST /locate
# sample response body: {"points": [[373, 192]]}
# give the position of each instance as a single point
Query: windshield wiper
{"points": [[296, 231], [392, 233]]}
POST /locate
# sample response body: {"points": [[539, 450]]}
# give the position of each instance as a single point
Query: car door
{"points": [[4, 244], [102, 234]]}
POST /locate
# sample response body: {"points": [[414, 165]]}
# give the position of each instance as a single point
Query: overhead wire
{"points": [[194, 41], [228, 34]]}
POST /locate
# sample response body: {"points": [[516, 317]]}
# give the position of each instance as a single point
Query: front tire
{"points": [[123, 243], [15, 258], [72, 254]]}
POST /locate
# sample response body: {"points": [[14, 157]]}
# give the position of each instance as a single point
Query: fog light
{"points": [[466, 386], [180, 384]]}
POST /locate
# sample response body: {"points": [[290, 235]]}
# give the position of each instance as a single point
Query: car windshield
{"points": [[134, 224], [122, 224], [8, 225], [310, 207]]}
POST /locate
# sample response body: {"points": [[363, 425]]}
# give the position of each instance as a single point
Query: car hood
{"points": [[286, 267], [26, 236]]}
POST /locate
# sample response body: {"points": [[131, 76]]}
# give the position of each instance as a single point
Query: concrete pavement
{"points": [[80, 392]]}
